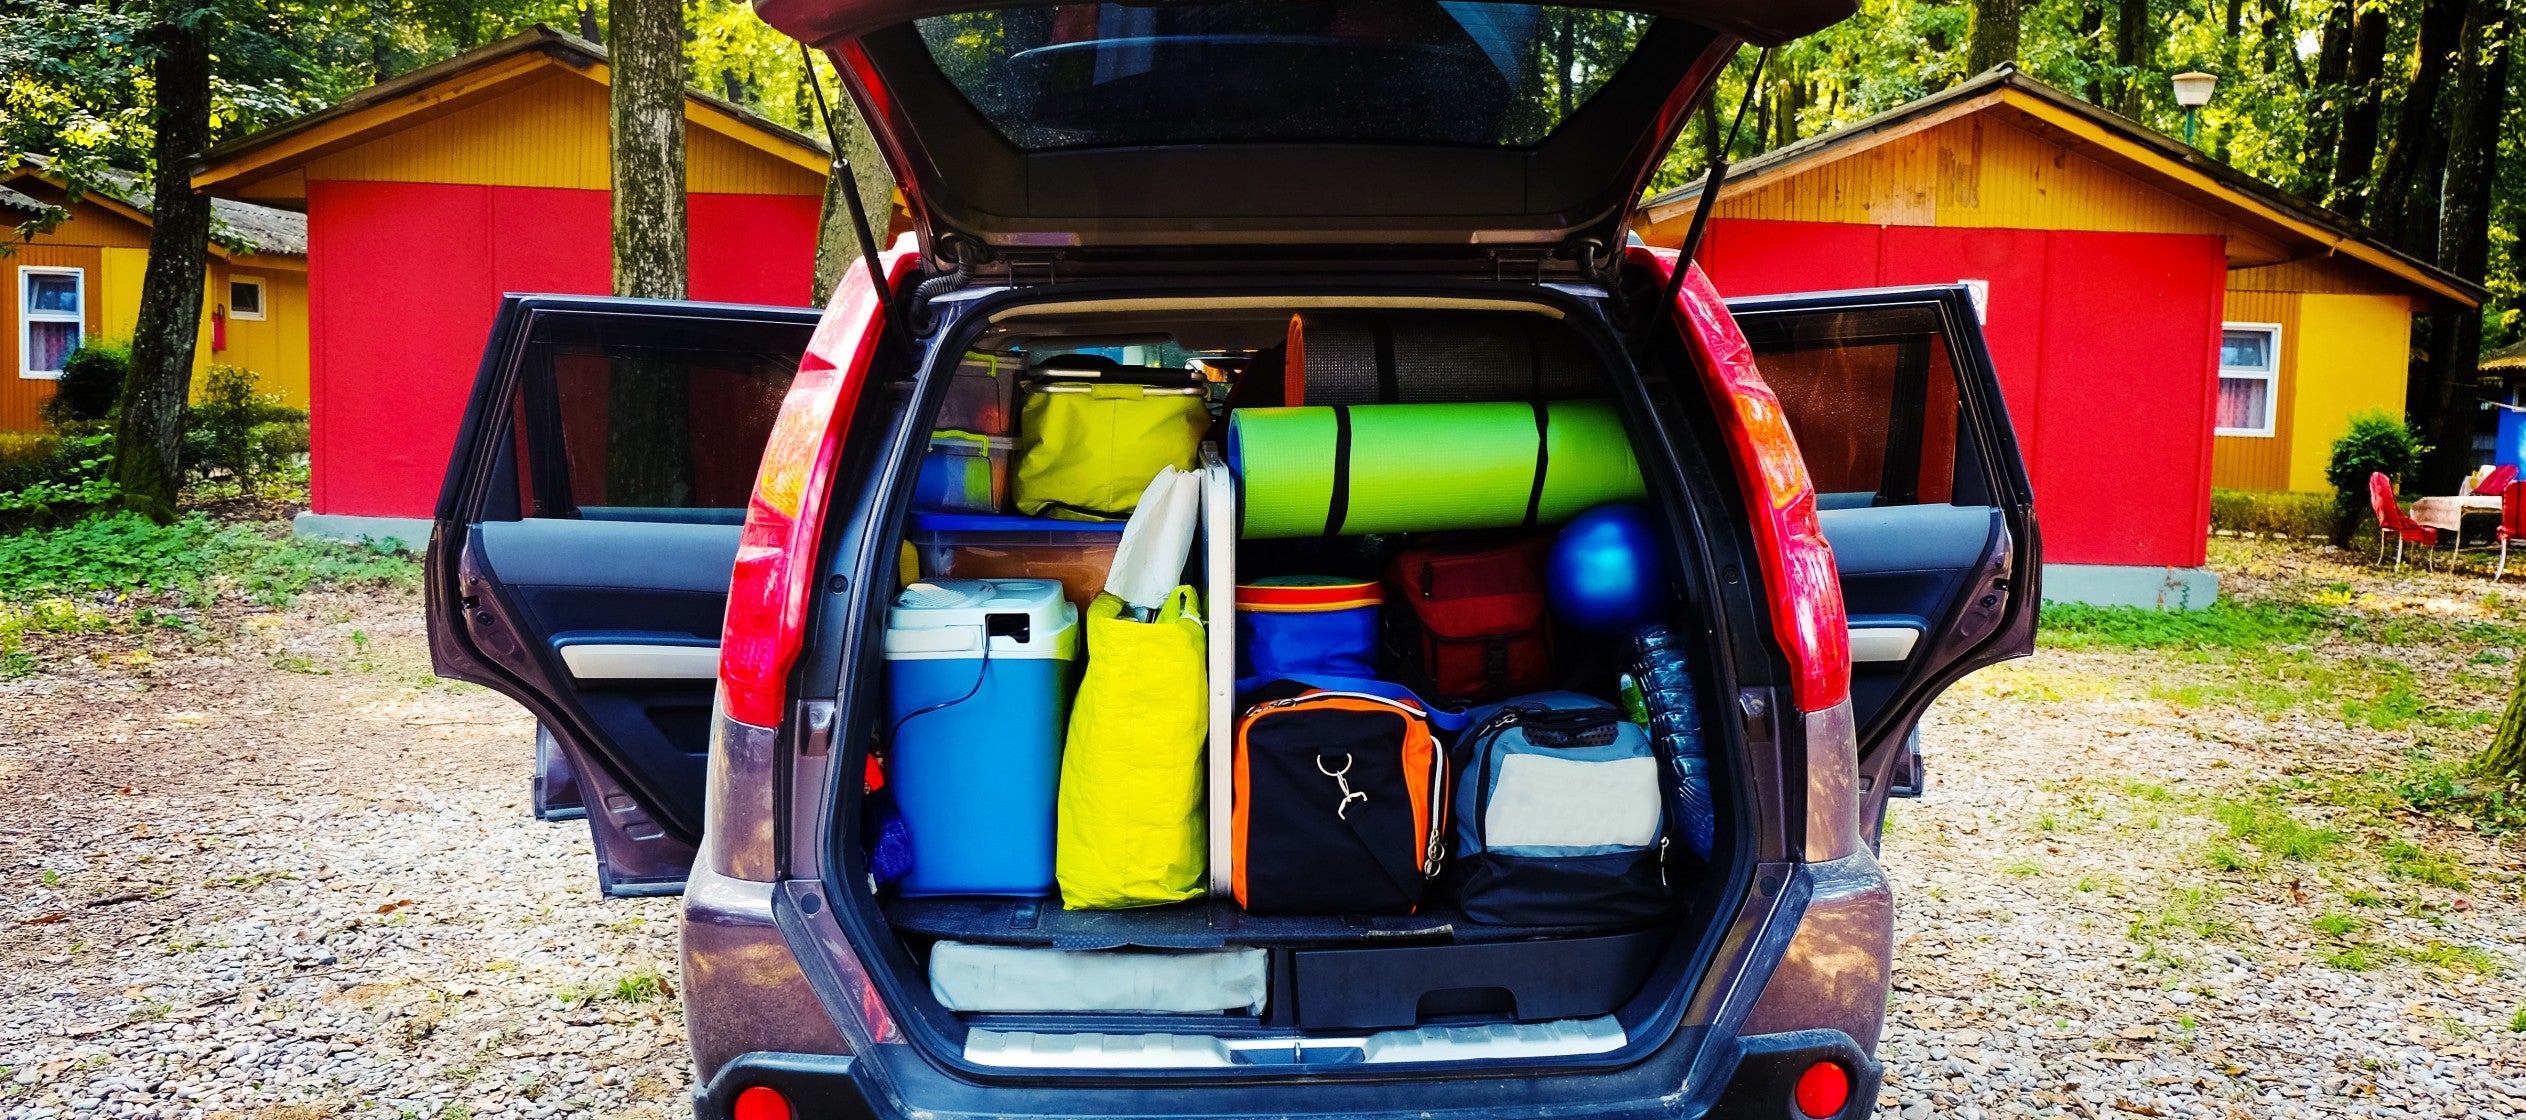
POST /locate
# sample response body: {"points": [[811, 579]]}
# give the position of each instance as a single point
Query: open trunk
{"points": [[1012, 980]]}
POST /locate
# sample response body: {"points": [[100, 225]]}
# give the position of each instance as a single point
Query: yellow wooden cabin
{"points": [[2082, 227], [80, 282]]}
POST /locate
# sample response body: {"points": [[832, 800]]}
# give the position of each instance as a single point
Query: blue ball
{"points": [[1607, 574]]}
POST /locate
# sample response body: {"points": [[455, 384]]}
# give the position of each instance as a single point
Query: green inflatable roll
{"points": [[1425, 468]]}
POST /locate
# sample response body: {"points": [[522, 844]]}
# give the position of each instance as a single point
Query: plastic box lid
{"points": [[937, 619], [925, 521]]}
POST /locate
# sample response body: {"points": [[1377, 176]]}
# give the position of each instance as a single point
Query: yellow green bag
{"points": [[1134, 828], [1085, 451]]}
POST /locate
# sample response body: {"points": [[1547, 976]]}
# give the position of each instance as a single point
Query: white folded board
{"points": [[1219, 595], [1022, 978]]}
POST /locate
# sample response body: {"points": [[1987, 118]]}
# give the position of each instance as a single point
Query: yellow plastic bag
{"points": [[1133, 829], [1085, 452]]}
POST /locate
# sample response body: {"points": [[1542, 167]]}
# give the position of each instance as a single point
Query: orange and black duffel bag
{"points": [[1340, 803]]}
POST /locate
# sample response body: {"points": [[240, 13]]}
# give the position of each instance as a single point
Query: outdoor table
{"points": [[2448, 513]]}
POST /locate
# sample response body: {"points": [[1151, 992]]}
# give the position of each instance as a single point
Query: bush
{"points": [[231, 429], [2376, 444], [2281, 513], [91, 381], [47, 478]]}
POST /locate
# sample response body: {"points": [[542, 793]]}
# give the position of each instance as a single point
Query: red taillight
{"points": [[767, 592], [763, 1102], [1823, 1090], [1798, 569]]}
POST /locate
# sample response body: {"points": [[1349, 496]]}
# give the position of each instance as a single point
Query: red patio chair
{"points": [[2497, 481], [2392, 519], [2512, 522]]}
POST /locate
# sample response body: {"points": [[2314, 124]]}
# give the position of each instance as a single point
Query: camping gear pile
{"points": [[1442, 683]]}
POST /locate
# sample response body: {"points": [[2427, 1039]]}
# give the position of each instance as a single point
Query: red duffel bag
{"points": [[1469, 621]]}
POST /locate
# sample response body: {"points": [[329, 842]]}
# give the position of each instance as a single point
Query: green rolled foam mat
{"points": [[1423, 468]]}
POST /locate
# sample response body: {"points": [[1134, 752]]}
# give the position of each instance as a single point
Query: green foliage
{"points": [[49, 479], [2376, 444], [127, 554], [232, 430], [2282, 513], [91, 378]]}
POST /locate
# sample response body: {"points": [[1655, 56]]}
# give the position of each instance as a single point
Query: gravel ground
{"points": [[283, 874], [288, 875]]}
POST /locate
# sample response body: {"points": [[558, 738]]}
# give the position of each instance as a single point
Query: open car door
{"points": [[582, 544], [1921, 491]]}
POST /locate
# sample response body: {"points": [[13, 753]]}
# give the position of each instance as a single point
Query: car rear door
{"points": [[1921, 491], [580, 556]]}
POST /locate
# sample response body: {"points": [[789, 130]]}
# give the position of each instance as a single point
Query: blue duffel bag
{"points": [[1560, 815]]}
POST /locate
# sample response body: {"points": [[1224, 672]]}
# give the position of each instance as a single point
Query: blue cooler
{"points": [[976, 759]]}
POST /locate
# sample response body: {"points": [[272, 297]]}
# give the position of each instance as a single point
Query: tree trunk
{"points": [[1994, 33], [2505, 757], [837, 245], [2324, 126], [2091, 39], [2363, 103], [2445, 405], [647, 54], [2399, 175], [149, 431], [2131, 54]]}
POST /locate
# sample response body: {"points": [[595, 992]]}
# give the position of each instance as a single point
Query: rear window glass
{"points": [[621, 417], [1437, 71]]}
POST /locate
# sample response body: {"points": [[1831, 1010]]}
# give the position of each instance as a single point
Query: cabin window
{"points": [[52, 318], [2249, 378], [245, 298]]}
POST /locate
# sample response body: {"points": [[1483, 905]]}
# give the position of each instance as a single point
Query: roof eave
{"points": [[2135, 142]]}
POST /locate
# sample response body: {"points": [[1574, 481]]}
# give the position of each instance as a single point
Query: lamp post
{"points": [[2192, 91]]}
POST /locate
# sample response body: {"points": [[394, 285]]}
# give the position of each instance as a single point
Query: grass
{"points": [[74, 579], [193, 559], [2338, 924], [644, 985], [2272, 828], [2407, 860]]}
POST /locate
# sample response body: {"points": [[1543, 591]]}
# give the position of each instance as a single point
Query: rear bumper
{"points": [[1754, 1081]]}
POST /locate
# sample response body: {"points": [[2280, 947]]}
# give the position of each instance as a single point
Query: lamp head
{"points": [[2192, 88]]}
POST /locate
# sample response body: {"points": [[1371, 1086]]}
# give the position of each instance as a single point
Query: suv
{"points": [[674, 532]]}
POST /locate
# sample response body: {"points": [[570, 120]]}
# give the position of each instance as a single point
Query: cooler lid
{"points": [[1312, 129], [947, 618]]}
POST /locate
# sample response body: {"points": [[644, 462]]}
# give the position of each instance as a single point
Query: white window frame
{"points": [[28, 316], [2270, 378], [262, 293]]}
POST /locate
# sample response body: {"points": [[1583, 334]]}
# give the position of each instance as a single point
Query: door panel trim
{"points": [[641, 661], [1883, 643]]}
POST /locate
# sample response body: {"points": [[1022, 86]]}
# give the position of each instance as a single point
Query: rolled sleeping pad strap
{"points": [[1425, 468]]}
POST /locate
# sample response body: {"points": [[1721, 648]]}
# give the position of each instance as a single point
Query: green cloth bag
{"points": [[1133, 816], [1086, 451]]}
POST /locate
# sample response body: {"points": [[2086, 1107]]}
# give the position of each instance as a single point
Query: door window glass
{"points": [[1209, 71], [52, 313], [1871, 395], [2249, 378], [623, 417]]}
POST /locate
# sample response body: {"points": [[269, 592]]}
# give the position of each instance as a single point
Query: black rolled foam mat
{"points": [[1199, 924]]}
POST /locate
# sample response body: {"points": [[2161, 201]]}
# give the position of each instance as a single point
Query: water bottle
{"points": [[1662, 677]]}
